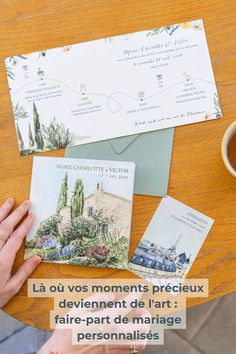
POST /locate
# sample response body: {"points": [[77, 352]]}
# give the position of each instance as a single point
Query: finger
{"points": [[4, 211], [138, 323], [14, 243], [8, 224], [89, 311], [125, 309], [117, 349], [142, 327], [85, 312], [17, 280], [123, 348], [6, 208], [93, 348]]}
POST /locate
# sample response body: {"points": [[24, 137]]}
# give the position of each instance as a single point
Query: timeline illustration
{"points": [[115, 87]]}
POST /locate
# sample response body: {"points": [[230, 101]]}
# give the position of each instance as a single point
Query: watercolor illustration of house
{"points": [[112, 205]]}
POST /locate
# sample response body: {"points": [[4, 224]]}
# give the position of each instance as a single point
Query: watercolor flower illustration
{"points": [[10, 63], [42, 54], [66, 48], [185, 25], [168, 29], [15, 60], [196, 25], [171, 29]]}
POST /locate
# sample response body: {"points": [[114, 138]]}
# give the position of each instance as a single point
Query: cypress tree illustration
{"points": [[37, 131], [22, 145], [30, 136], [62, 199], [77, 200]]}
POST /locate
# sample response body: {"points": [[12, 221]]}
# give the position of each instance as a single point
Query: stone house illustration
{"points": [[112, 205]]}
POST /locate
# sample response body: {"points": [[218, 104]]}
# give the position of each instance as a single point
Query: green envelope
{"points": [[151, 153]]}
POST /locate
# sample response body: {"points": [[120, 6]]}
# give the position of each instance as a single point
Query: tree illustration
{"points": [[22, 145], [37, 131], [62, 199], [30, 136], [77, 200]]}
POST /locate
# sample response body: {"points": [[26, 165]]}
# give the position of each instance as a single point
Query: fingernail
{"points": [[10, 201], [37, 259], [31, 215], [26, 203]]}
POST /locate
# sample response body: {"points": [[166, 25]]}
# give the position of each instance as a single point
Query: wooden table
{"points": [[198, 177]]}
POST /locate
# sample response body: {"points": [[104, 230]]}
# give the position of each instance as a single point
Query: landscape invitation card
{"points": [[112, 87], [83, 211], [171, 242]]}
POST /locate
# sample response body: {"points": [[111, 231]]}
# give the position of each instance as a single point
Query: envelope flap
{"points": [[119, 145]]}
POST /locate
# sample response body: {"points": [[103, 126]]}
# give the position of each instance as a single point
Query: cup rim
{"points": [[224, 144]]}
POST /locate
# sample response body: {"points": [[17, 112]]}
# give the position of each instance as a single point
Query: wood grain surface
{"points": [[198, 176]]}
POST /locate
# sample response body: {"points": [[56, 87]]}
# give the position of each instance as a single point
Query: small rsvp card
{"points": [[171, 241], [112, 87]]}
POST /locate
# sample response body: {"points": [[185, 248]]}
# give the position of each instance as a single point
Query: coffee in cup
{"points": [[228, 149]]}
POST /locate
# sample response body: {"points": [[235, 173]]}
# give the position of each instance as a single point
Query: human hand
{"points": [[11, 237], [61, 340]]}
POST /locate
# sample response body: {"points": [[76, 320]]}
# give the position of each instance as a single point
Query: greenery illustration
{"points": [[168, 29], [62, 199], [194, 25], [43, 138], [77, 200], [218, 112], [19, 112], [10, 63], [10, 73], [49, 227], [30, 136], [37, 129], [56, 135], [156, 31], [79, 239], [21, 142]]}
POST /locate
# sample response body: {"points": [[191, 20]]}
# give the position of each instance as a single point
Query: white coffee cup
{"points": [[224, 147]]}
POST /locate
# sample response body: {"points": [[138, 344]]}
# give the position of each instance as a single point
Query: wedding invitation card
{"points": [[112, 87], [171, 242], [83, 211]]}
